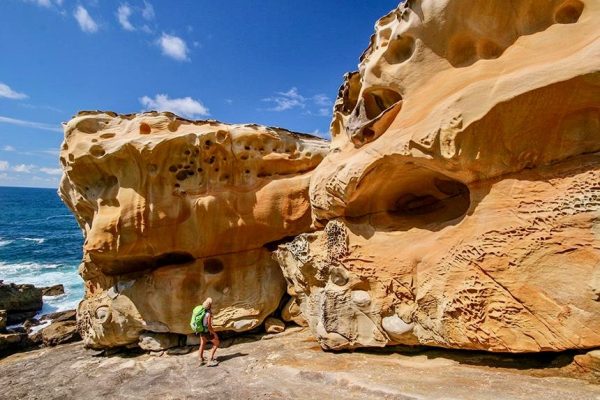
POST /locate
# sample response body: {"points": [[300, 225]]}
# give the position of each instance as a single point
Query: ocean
{"points": [[40, 243]]}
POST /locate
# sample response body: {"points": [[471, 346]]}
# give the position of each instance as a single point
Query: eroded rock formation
{"points": [[460, 205], [175, 211]]}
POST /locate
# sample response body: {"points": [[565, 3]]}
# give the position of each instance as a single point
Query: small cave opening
{"points": [[408, 196], [142, 263]]}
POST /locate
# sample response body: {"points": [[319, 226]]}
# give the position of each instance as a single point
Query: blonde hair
{"points": [[207, 303]]}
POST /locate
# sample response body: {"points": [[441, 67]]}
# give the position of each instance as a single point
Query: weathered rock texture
{"points": [[175, 211], [461, 200]]}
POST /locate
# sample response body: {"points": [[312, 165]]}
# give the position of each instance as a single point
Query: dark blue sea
{"points": [[40, 243]]}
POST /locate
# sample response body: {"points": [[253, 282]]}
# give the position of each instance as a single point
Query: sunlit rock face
{"points": [[460, 204], [175, 211]]}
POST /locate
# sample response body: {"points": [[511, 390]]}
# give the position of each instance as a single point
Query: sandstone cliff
{"points": [[460, 204], [174, 211]]}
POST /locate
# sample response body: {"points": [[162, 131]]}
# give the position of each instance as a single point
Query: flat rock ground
{"points": [[292, 366]]}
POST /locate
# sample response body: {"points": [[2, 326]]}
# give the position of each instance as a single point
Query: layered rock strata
{"points": [[460, 204], [174, 211]]}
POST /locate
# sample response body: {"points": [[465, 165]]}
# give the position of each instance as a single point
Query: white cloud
{"points": [[41, 3], [4, 165], [51, 171], [52, 152], [322, 100], [30, 124], [24, 168], [287, 100], [9, 148], [174, 47], [148, 11], [185, 106], [123, 14], [6, 91], [86, 22]]}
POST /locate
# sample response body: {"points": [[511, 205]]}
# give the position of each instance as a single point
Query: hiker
{"points": [[202, 324]]}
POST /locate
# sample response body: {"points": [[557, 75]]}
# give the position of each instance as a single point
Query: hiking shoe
{"points": [[212, 363]]}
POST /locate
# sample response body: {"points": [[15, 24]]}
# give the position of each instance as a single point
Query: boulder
{"points": [[175, 211], [68, 315], [20, 301], [3, 320], [274, 325], [60, 333], [459, 204], [55, 290], [12, 342], [151, 341]]}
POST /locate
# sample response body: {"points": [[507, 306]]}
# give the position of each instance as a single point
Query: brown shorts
{"points": [[208, 336]]}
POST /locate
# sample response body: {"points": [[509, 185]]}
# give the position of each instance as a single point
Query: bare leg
{"points": [[215, 345], [201, 349]]}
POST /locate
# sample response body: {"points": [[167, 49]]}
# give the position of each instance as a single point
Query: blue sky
{"points": [[273, 62]]}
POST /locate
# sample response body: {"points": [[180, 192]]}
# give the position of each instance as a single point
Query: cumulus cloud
{"points": [[291, 99], [174, 47], [283, 101], [24, 168], [85, 20], [51, 171], [185, 106], [148, 11], [41, 3], [30, 124], [322, 100], [123, 14], [9, 148], [4, 165], [7, 92]]}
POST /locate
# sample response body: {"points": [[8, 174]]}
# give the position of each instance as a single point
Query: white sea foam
{"points": [[4, 242], [36, 240], [37, 328], [42, 275], [22, 269]]}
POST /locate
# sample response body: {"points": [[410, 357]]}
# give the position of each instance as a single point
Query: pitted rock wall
{"points": [[459, 205], [174, 211]]}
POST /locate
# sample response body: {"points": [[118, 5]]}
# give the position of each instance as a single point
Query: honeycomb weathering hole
{"points": [[97, 151], [569, 12], [399, 50], [378, 100], [213, 266], [145, 129]]}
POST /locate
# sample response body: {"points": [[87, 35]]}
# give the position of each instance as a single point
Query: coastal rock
{"points": [[60, 332], [12, 342], [175, 211], [69, 315], [55, 290], [150, 341], [274, 325], [460, 203], [291, 313], [3, 319], [21, 302]]}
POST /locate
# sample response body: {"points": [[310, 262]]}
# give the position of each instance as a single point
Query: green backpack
{"points": [[197, 322]]}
